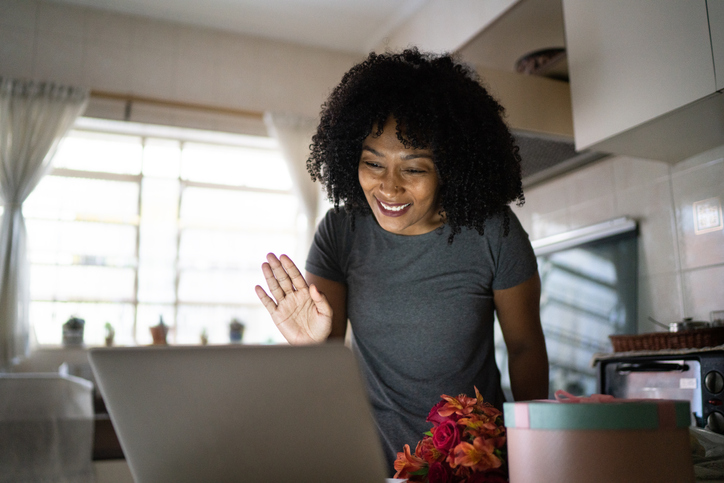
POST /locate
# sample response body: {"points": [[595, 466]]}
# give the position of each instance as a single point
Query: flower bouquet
{"points": [[466, 444]]}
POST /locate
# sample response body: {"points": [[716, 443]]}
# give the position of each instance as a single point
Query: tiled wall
{"points": [[681, 273], [133, 55]]}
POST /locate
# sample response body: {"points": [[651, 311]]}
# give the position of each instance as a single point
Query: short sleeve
{"points": [[325, 254], [516, 261]]}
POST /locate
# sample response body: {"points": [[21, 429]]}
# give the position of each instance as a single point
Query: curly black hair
{"points": [[439, 104]]}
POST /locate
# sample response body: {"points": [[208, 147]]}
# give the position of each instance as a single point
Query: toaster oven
{"points": [[695, 376]]}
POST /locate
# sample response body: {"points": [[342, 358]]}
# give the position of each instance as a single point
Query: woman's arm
{"points": [[518, 311]]}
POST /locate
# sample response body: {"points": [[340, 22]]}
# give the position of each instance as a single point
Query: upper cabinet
{"points": [[643, 77], [716, 25]]}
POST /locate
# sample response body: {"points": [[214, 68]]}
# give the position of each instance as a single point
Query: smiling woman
{"points": [[421, 247], [400, 183]]}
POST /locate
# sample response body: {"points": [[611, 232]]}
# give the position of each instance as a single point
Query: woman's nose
{"points": [[390, 183]]}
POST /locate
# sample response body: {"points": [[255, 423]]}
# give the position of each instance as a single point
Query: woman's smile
{"points": [[401, 184]]}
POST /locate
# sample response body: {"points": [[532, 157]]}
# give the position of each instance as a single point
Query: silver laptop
{"points": [[240, 413]]}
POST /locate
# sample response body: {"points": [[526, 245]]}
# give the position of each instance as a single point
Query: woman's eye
{"points": [[415, 171], [372, 165]]}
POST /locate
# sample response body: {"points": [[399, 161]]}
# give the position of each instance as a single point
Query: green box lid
{"points": [[618, 414]]}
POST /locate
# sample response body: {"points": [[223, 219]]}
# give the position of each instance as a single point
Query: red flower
{"points": [[434, 416], [446, 436], [488, 477], [438, 473]]}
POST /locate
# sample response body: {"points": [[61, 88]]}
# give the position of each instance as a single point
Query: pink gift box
{"points": [[599, 442]]}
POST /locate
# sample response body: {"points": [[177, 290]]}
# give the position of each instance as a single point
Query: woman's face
{"points": [[400, 184]]}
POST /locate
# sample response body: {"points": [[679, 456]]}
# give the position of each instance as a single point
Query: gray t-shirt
{"points": [[421, 311]]}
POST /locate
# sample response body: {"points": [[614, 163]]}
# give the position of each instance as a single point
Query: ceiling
{"points": [[355, 26]]}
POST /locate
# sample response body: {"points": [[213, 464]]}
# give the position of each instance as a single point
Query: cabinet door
{"points": [[716, 28], [631, 61]]}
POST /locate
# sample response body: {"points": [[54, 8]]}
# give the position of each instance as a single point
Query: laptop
{"points": [[240, 413]]}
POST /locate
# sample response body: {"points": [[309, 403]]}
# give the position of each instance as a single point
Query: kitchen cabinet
{"points": [[716, 25], [643, 78]]}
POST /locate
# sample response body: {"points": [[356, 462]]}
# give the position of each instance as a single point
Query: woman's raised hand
{"points": [[301, 312]]}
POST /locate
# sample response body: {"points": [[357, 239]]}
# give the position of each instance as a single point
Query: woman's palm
{"points": [[301, 313]]}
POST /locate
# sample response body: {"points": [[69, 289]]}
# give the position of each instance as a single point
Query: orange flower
{"points": [[407, 463], [481, 425], [477, 456], [461, 405], [426, 450]]}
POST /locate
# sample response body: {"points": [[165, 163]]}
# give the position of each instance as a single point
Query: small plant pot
{"points": [[158, 333], [73, 332]]}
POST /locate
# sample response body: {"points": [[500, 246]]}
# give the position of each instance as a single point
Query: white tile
{"points": [[107, 66], [703, 291], [108, 27], [698, 160], [548, 224], [59, 58], [153, 73], [18, 14], [547, 197], [629, 172], [592, 211], [693, 185], [16, 53], [652, 207], [659, 297], [590, 182], [66, 20]]}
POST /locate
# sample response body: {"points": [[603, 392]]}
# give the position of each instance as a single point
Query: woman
{"points": [[425, 248]]}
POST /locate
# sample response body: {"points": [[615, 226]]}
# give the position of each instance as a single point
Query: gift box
{"points": [[597, 441]]}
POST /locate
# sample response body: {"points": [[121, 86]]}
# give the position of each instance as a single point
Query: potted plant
{"points": [[236, 331], [110, 334], [159, 332], [73, 331]]}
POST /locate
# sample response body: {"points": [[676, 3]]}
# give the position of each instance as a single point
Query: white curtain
{"points": [[34, 116], [294, 134]]}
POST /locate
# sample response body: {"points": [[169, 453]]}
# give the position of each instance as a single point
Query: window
{"points": [[588, 292], [130, 228]]}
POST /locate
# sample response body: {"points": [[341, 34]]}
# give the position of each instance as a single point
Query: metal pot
{"points": [[687, 324]]}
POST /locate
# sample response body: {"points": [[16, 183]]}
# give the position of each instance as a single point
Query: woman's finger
{"points": [[280, 274], [265, 299], [272, 283], [294, 274]]}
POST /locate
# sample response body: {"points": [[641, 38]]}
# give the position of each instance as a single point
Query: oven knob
{"points": [[714, 382], [715, 422]]}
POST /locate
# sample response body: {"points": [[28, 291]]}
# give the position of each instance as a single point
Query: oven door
{"points": [[640, 378]]}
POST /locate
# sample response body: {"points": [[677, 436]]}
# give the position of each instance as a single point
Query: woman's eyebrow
{"points": [[405, 157], [417, 156], [367, 148]]}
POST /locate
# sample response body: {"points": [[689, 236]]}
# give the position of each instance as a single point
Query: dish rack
{"points": [[687, 339]]}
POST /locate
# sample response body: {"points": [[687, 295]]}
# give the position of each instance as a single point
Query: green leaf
{"points": [[421, 472], [427, 433]]}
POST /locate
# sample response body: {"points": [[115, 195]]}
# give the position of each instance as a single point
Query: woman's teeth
{"points": [[394, 208]]}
